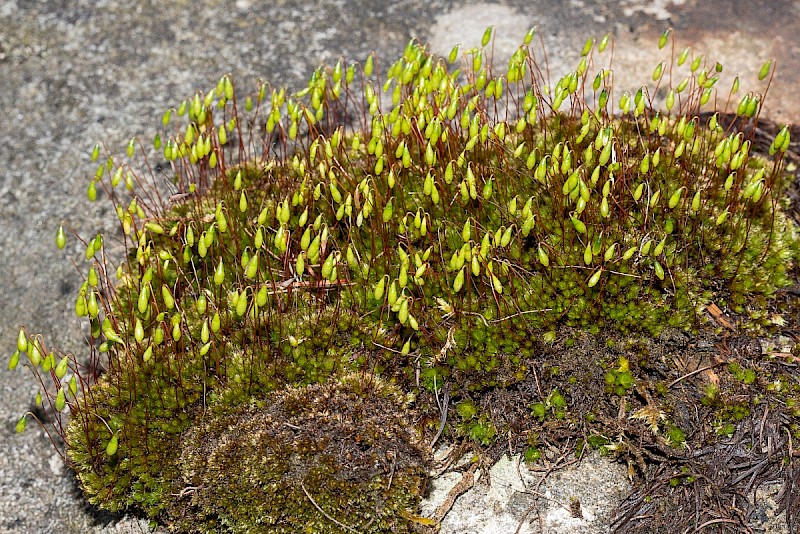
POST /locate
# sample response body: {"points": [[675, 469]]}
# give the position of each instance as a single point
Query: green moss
{"points": [[436, 241], [344, 447]]}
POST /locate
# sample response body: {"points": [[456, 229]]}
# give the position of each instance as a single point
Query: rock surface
{"points": [[73, 73], [516, 499]]}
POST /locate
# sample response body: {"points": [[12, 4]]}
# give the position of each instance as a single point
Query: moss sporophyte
{"points": [[328, 263]]}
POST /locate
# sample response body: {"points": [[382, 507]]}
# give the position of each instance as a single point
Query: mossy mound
{"points": [[443, 241], [347, 448]]}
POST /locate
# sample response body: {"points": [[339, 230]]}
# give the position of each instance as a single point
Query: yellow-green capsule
{"points": [[696, 63], [487, 189], [201, 304], [659, 247], [113, 443], [261, 301], [527, 226], [675, 198], [61, 238], [679, 149], [251, 270], [14, 361], [379, 288], [580, 227], [605, 154], [327, 266], [402, 278], [705, 97], [662, 41], [609, 254], [587, 254], [20, 426], [475, 266], [487, 36], [750, 189], [764, 70], [543, 258], [629, 253], [158, 336], [696, 202], [241, 304], [215, 323], [453, 54], [138, 331], [352, 260], [644, 166], [142, 302], [219, 273], [34, 355], [458, 283], [683, 56], [654, 199], [605, 211], [391, 297], [176, 331], [741, 109], [496, 284], [402, 313], [22, 341], [729, 180], [243, 202], [637, 193], [369, 66], [61, 399], [595, 278], [658, 71], [48, 362], [759, 191], [659, 270], [73, 385], [505, 239], [169, 300]]}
